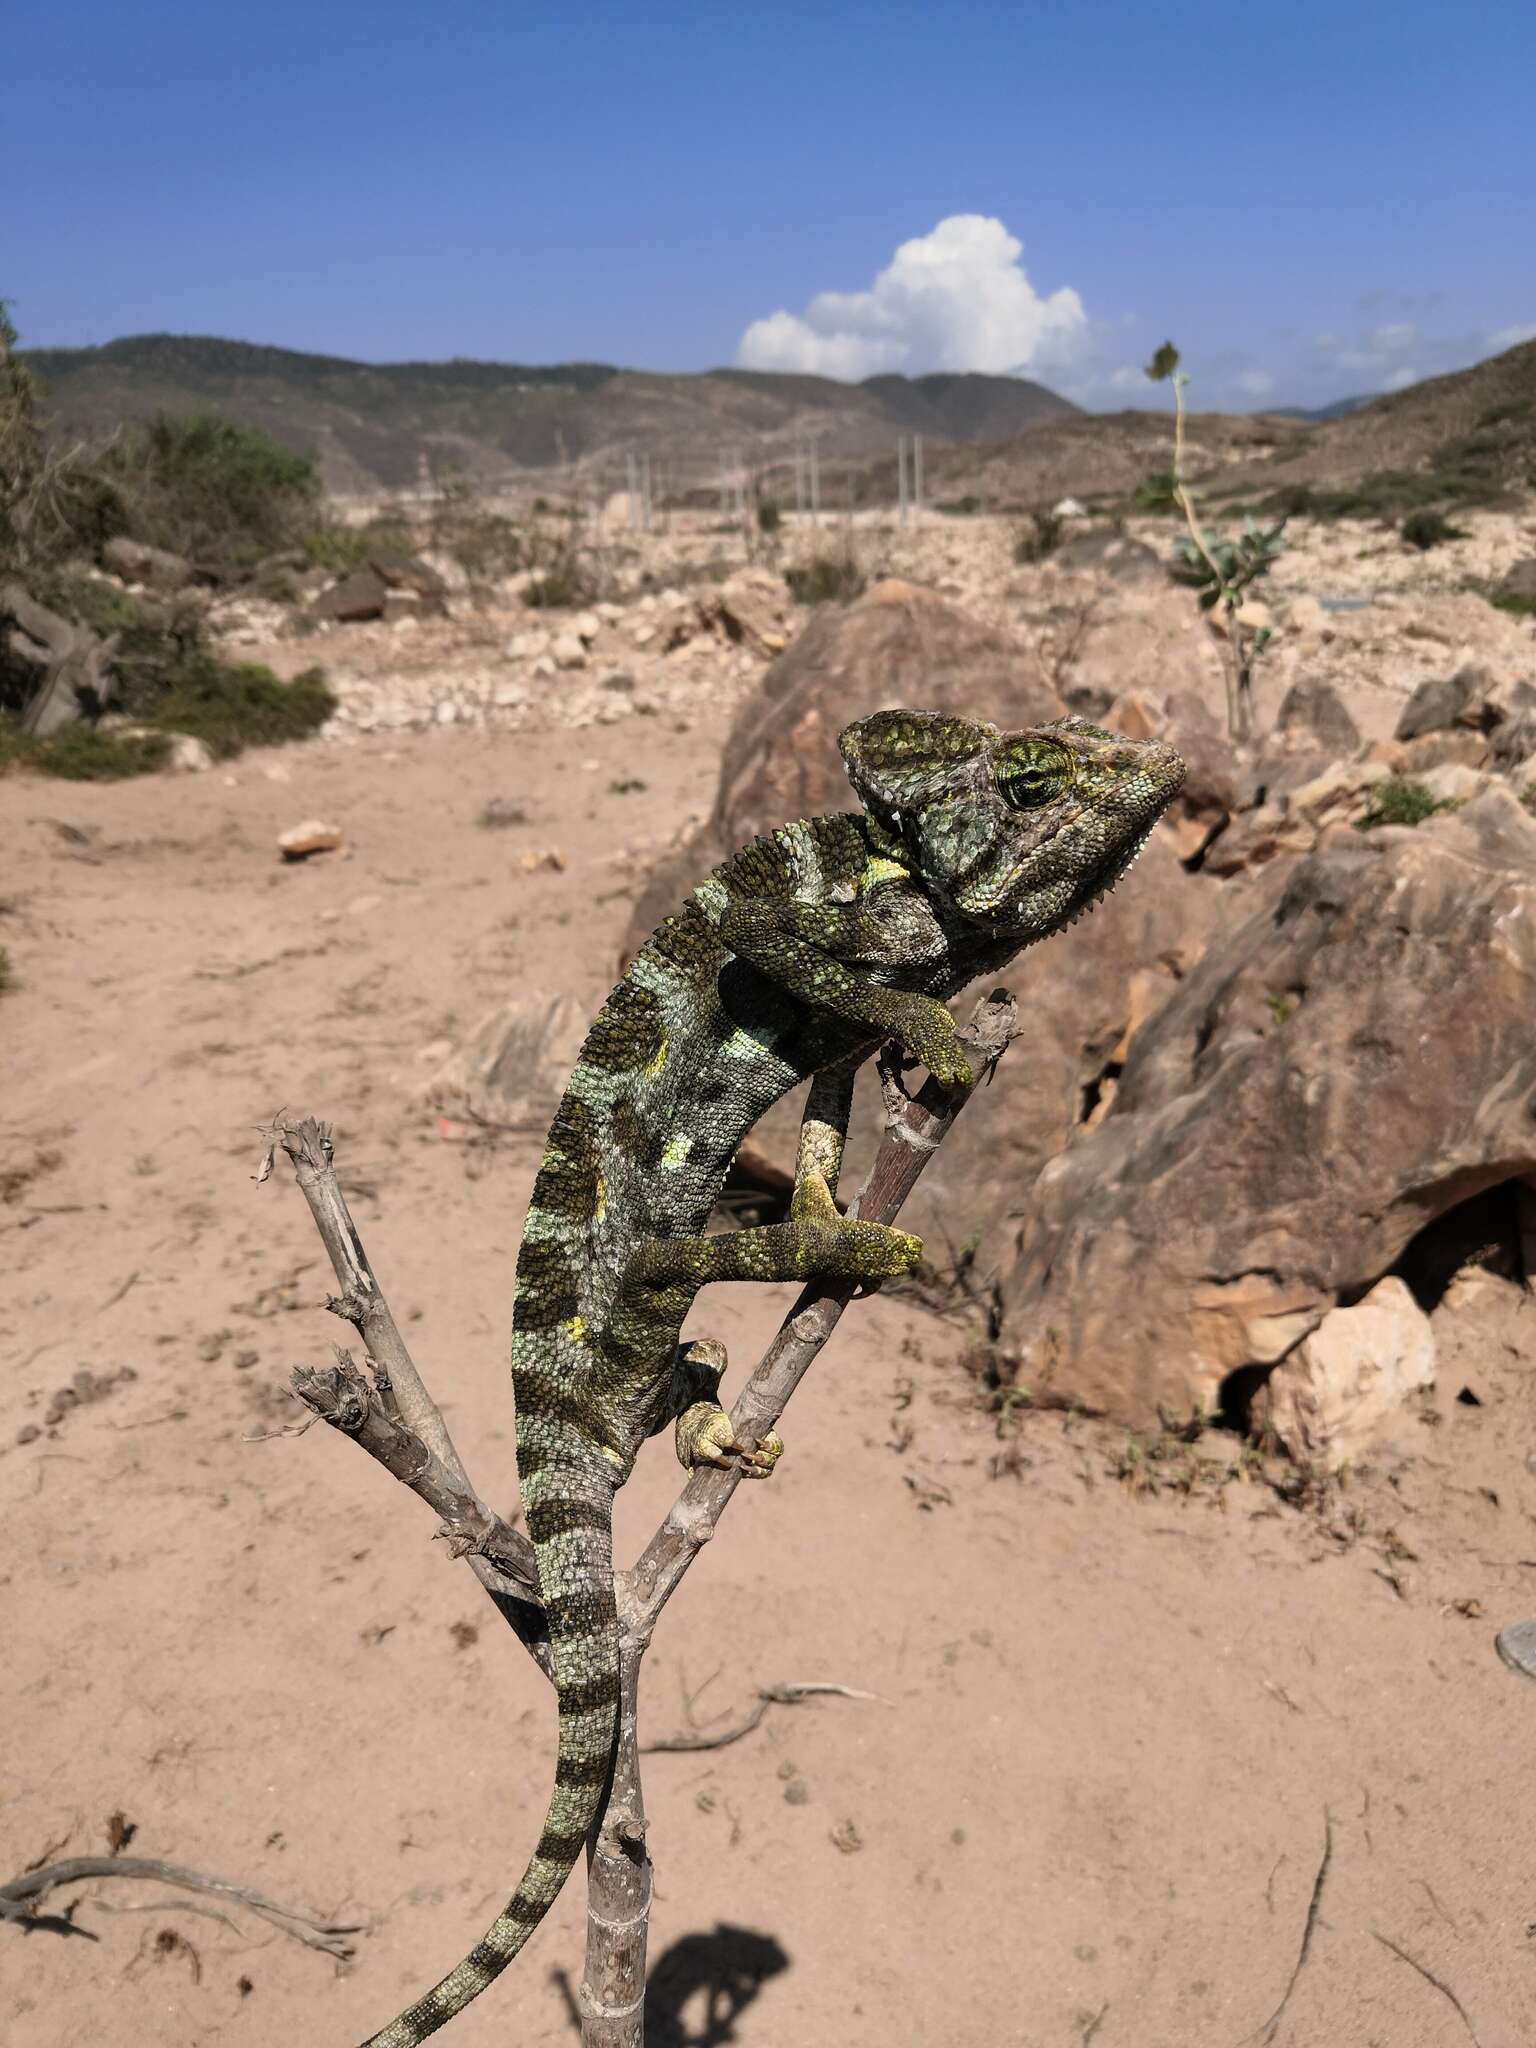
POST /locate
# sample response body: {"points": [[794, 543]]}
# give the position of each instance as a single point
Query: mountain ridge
{"points": [[372, 425]]}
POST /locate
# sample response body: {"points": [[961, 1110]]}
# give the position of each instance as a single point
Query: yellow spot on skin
{"points": [[659, 1059], [877, 871], [676, 1151], [575, 1329], [599, 1198], [610, 1453]]}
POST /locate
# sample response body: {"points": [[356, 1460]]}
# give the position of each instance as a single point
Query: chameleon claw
{"points": [[705, 1437]]}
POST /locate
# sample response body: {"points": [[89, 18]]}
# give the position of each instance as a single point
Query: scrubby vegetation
{"points": [[1401, 802], [1425, 530], [1040, 538], [825, 579], [222, 500]]}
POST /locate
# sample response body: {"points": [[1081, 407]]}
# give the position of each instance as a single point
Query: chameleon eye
{"points": [[1033, 773]]}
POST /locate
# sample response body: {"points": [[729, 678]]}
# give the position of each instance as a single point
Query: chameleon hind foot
{"points": [[705, 1437]]}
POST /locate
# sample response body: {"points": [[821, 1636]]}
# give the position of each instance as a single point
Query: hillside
{"points": [[370, 424]]}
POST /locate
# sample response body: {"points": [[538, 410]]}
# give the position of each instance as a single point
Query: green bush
{"points": [[1425, 530], [960, 508], [769, 517], [1385, 494], [825, 579], [1400, 803], [230, 705], [1509, 601], [223, 496], [1040, 538], [332, 545], [82, 752]]}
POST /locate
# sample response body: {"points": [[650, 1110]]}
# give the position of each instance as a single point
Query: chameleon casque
{"points": [[796, 958]]}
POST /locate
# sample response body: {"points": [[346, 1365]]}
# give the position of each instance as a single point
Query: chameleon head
{"points": [[1019, 831]]}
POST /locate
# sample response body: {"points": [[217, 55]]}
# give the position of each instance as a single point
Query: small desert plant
{"points": [[960, 508], [332, 545], [1158, 492], [769, 517], [1040, 538], [1401, 802], [825, 579], [1512, 601], [1426, 530], [1220, 570]]}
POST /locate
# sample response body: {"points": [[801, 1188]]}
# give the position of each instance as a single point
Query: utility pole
{"points": [[631, 489], [901, 476], [917, 474], [815, 483]]}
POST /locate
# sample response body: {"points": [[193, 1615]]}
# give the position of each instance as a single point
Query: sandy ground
{"points": [[1114, 1732]]}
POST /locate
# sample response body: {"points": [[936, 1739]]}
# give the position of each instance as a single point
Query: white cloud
{"points": [[1255, 383], [1127, 378], [955, 299], [1400, 378], [1510, 337]]}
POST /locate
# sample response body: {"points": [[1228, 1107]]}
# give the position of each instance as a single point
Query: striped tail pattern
{"points": [[570, 1520]]}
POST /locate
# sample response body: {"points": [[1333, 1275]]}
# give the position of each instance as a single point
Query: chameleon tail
{"points": [[570, 1519]]}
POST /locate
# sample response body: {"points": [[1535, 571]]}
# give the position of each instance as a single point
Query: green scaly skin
{"points": [[796, 958]]}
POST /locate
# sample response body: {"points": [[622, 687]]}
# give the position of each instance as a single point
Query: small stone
{"points": [[1517, 1646], [569, 652], [209, 1347], [846, 1837], [444, 712], [299, 842], [796, 1792], [244, 1360], [28, 1433]]}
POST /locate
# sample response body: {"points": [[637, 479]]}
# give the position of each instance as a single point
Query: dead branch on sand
{"points": [[396, 1421]]}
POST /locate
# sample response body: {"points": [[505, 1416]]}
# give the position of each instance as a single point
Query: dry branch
{"points": [[17, 1897], [395, 1420]]}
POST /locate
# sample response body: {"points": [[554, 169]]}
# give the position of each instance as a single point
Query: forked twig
{"points": [[395, 1420]]}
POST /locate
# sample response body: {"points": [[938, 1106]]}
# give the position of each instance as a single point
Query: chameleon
{"points": [[794, 960]]}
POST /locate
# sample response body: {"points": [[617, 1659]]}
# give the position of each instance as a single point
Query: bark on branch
{"points": [[395, 1420]]}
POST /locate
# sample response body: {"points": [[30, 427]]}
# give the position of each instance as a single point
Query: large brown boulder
{"points": [[898, 645], [1352, 1061], [1083, 993]]}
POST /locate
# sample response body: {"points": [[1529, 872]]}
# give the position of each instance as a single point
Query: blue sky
{"points": [[1312, 200]]}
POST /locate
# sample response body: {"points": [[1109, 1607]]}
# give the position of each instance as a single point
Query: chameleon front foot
{"points": [[705, 1437]]}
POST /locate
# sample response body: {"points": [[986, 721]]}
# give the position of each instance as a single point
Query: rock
{"points": [[1112, 555], [410, 575], [1306, 619], [527, 646], [1327, 1399], [1519, 581], [1441, 702], [746, 615], [514, 1067], [900, 644], [586, 626], [1434, 749], [299, 842], [1373, 1013], [1312, 712], [1068, 508], [1454, 783], [1136, 716], [404, 607], [567, 651], [357, 596], [136, 562]]}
